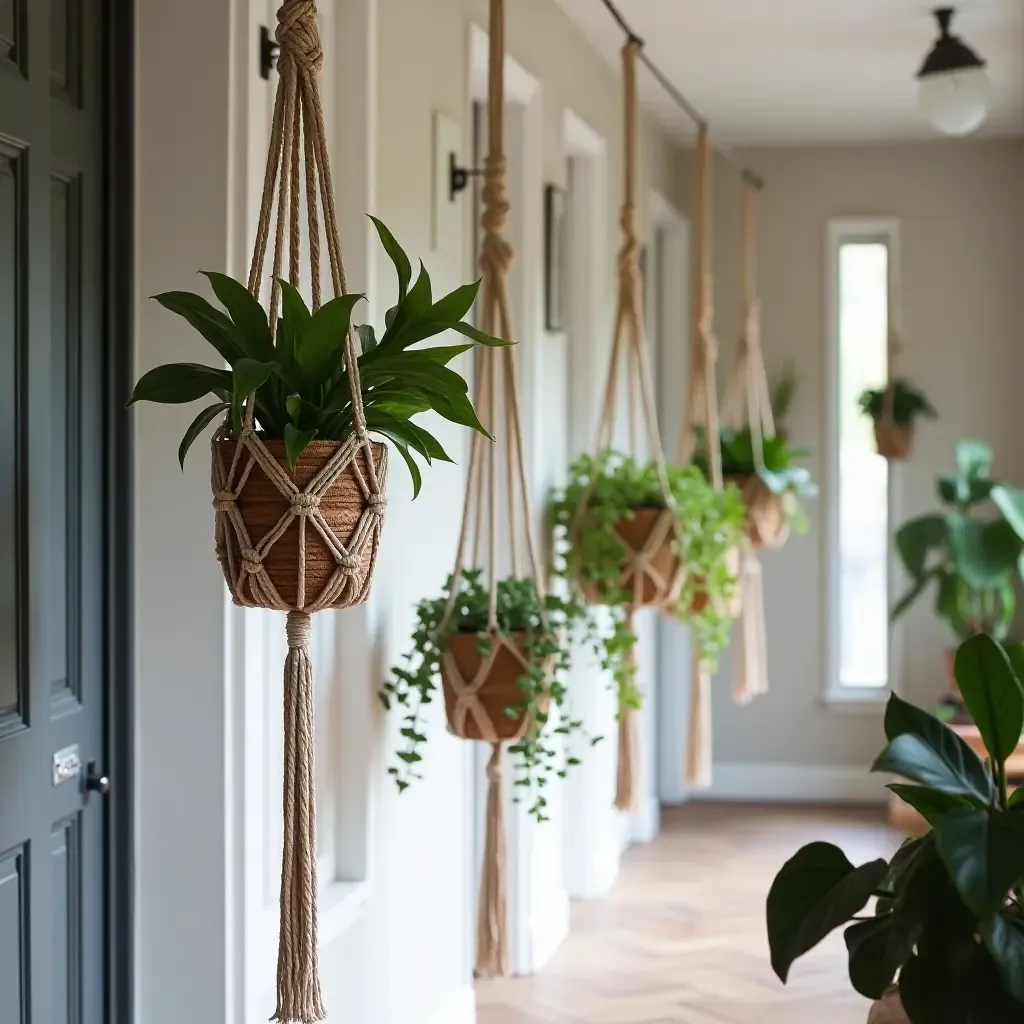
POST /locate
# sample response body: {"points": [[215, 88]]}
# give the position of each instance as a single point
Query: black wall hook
{"points": [[458, 177], [269, 51]]}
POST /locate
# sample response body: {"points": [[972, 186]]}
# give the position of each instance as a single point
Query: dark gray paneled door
{"points": [[51, 507]]}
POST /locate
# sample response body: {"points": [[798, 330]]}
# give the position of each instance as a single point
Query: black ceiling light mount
{"points": [[954, 88]]}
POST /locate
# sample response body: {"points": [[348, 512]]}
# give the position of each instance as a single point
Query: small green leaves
{"points": [[322, 347], [198, 425], [992, 694], [455, 305], [248, 375], [816, 891], [294, 322], [178, 383], [248, 315], [367, 339], [402, 265], [293, 404], [210, 322], [295, 443]]}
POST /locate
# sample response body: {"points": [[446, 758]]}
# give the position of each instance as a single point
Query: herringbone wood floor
{"points": [[681, 937]]}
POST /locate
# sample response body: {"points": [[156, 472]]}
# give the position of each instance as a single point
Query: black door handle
{"points": [[97, 783]]}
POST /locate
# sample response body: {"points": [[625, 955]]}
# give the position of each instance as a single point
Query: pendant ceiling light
{"points": [[955, 91]]}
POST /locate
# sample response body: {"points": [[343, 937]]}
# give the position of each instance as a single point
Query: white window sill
{"points": [[852, 700], [340, 905]]}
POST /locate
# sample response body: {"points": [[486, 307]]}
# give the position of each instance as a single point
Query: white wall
{"points": [[960, 206], [207, 675]]}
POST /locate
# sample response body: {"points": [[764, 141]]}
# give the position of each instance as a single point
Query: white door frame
{"points": [[670, 240]]}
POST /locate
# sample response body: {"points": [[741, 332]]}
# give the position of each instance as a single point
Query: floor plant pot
{"points": [[651, 569], [767, 522], [894, 443], [493, 678], [332, 521]]}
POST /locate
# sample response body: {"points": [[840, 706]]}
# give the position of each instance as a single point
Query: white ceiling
{"points": [[770, 72]]}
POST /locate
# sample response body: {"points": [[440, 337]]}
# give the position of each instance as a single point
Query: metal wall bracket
{"points": [[458, 177], [269, 51]]}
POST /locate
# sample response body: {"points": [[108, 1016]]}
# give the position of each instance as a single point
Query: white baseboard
{"points": [[645, 824], [794, 783], [459, 1008]]}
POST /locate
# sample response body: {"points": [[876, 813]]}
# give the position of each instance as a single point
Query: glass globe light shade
{"points": [[956, 102]]}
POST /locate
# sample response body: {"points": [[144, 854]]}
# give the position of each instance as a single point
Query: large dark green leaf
{"points": [[992, 694], [984, 854], [248, 376], [949, 769], [1015, 652], [479, 337], [816, 891], [294, 321], [418, 301], [403, 450], [984, 553], [198, 425], [929, 803], [295, 443], [443, 354], [179, 383], [209, 321], [430, 444], [455, 305], [402, 265], [1010, 501], [876, 953], [1004, 937], [917, 539], [367, 338], [322, 347], [249, 316], [930, 993]]}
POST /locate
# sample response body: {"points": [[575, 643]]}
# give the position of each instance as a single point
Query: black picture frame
{"points": [[554, 257]]}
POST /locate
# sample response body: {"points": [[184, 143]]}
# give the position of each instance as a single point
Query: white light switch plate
{"points": [[448, 212]]}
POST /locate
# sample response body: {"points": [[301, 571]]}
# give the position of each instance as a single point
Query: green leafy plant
{"points": [[711, 524], [972, 561], [780, 474], [299, 376], [908, 403], [538, 758], [948, 917], [784, 395]]}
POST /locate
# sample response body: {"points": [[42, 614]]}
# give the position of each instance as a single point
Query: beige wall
{"points": [[961, 210]]}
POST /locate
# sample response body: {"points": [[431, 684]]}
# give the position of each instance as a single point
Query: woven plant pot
{"points": [[263, 508], [767, 522], [732, 607], [651, 570], [489, 684], [893, 442]]}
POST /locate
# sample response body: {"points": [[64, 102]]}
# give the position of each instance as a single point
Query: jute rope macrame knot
{"points": [[629, 252], [496, 253], [348, 564], [377, 503], [303, 502], [252, 561], [298, 629], [299, 37], [224, 501]]}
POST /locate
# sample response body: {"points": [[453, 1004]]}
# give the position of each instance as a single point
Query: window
{"points": [[862, 264]]}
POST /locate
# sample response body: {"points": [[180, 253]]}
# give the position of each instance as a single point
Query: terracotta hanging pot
{"points": [[894, 443], [342, 527], [651, 570], [888, 1009], [732, 606], [479, 687], [767, 522]]}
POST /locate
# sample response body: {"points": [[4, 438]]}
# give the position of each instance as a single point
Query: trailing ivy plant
{"points": [[948, 920], [710, 523], [780, 475], [908, 403], [299, 376], [972, 558], [542, 754]]}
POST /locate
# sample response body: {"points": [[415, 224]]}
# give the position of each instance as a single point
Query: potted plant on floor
{"points": [[944, 942], [772, 491], [894, 410], [685, 566], [514, 672], [971, 559]]}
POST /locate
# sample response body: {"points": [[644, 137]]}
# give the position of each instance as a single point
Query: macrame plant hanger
{"points": [[496, 369], [747, 401], [702, 411], [894, 442], [299, 564], [629, 346]]}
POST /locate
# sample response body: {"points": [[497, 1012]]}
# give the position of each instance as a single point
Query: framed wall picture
{"points": [[554, 257]]}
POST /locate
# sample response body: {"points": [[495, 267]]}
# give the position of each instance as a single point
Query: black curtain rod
{"points": [[749, 176]]}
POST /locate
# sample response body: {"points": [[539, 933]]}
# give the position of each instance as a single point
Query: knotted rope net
{"points": [[650, 582], [894, 441], [702, 411], [497, 379], [304, 542], [747, 400]]}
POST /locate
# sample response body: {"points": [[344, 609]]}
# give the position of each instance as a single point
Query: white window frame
{"points": [[840, 231]]}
